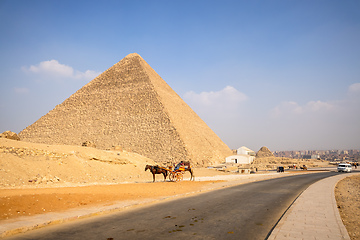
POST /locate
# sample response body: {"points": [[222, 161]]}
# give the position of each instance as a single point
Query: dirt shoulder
{"points": [[347, 194], [15, 203]]}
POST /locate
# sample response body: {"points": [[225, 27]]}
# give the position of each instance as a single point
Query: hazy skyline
{"points": [[281, 74]]}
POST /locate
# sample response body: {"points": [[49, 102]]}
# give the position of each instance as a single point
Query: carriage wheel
{"points": [[179, 177], [172, 177]]}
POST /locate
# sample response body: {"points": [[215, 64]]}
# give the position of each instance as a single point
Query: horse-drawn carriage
{"points": [[175, 173]]}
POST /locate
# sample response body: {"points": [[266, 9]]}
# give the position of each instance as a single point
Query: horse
{"points": [[156, 170], [304, 167], [293, 166], [188, 168]]}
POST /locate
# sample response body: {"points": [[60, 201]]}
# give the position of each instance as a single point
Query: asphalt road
{"points": [[247, 211]]}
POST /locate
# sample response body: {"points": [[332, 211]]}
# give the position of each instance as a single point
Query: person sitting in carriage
{"points": [[180, 165]]}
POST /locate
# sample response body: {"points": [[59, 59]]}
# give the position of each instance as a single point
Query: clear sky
{"points": [[278, 73]]}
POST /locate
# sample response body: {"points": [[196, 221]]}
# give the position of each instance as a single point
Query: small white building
{"points": [[243, 155]]}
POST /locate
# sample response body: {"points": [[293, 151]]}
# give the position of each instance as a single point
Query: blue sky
{"points": [[282, 74]]}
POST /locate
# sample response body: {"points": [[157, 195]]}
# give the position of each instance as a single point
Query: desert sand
{"points": [[41, 178]]}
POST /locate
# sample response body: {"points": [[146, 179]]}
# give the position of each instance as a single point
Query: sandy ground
{"points": [[39, 199], [40, 178], [28, 202], [32, 165], [347, 193]]}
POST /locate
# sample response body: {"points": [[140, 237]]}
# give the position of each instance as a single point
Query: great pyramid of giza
{"points": [[130, 106]]}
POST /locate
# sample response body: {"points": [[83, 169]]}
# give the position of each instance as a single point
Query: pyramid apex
{"points": [[132, 55]]}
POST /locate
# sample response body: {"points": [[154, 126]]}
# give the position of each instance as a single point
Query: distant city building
{"points": [[350, 155], [313, 156]]}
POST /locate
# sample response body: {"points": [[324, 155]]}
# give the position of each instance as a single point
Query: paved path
{"points": [[314, 215]]}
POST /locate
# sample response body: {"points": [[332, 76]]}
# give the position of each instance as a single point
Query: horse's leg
{"points": [[192, 175], [153, 177], [164, 173]]}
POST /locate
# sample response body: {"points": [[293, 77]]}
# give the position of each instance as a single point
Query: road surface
{"points": [[247, 211]]}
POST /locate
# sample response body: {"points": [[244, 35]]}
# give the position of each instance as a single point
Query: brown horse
{"points": [[304, 167], [187, 168], [156, 170]]}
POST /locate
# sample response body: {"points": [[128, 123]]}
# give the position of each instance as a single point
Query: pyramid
{"points": [[130, 106], [264, 152]]}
